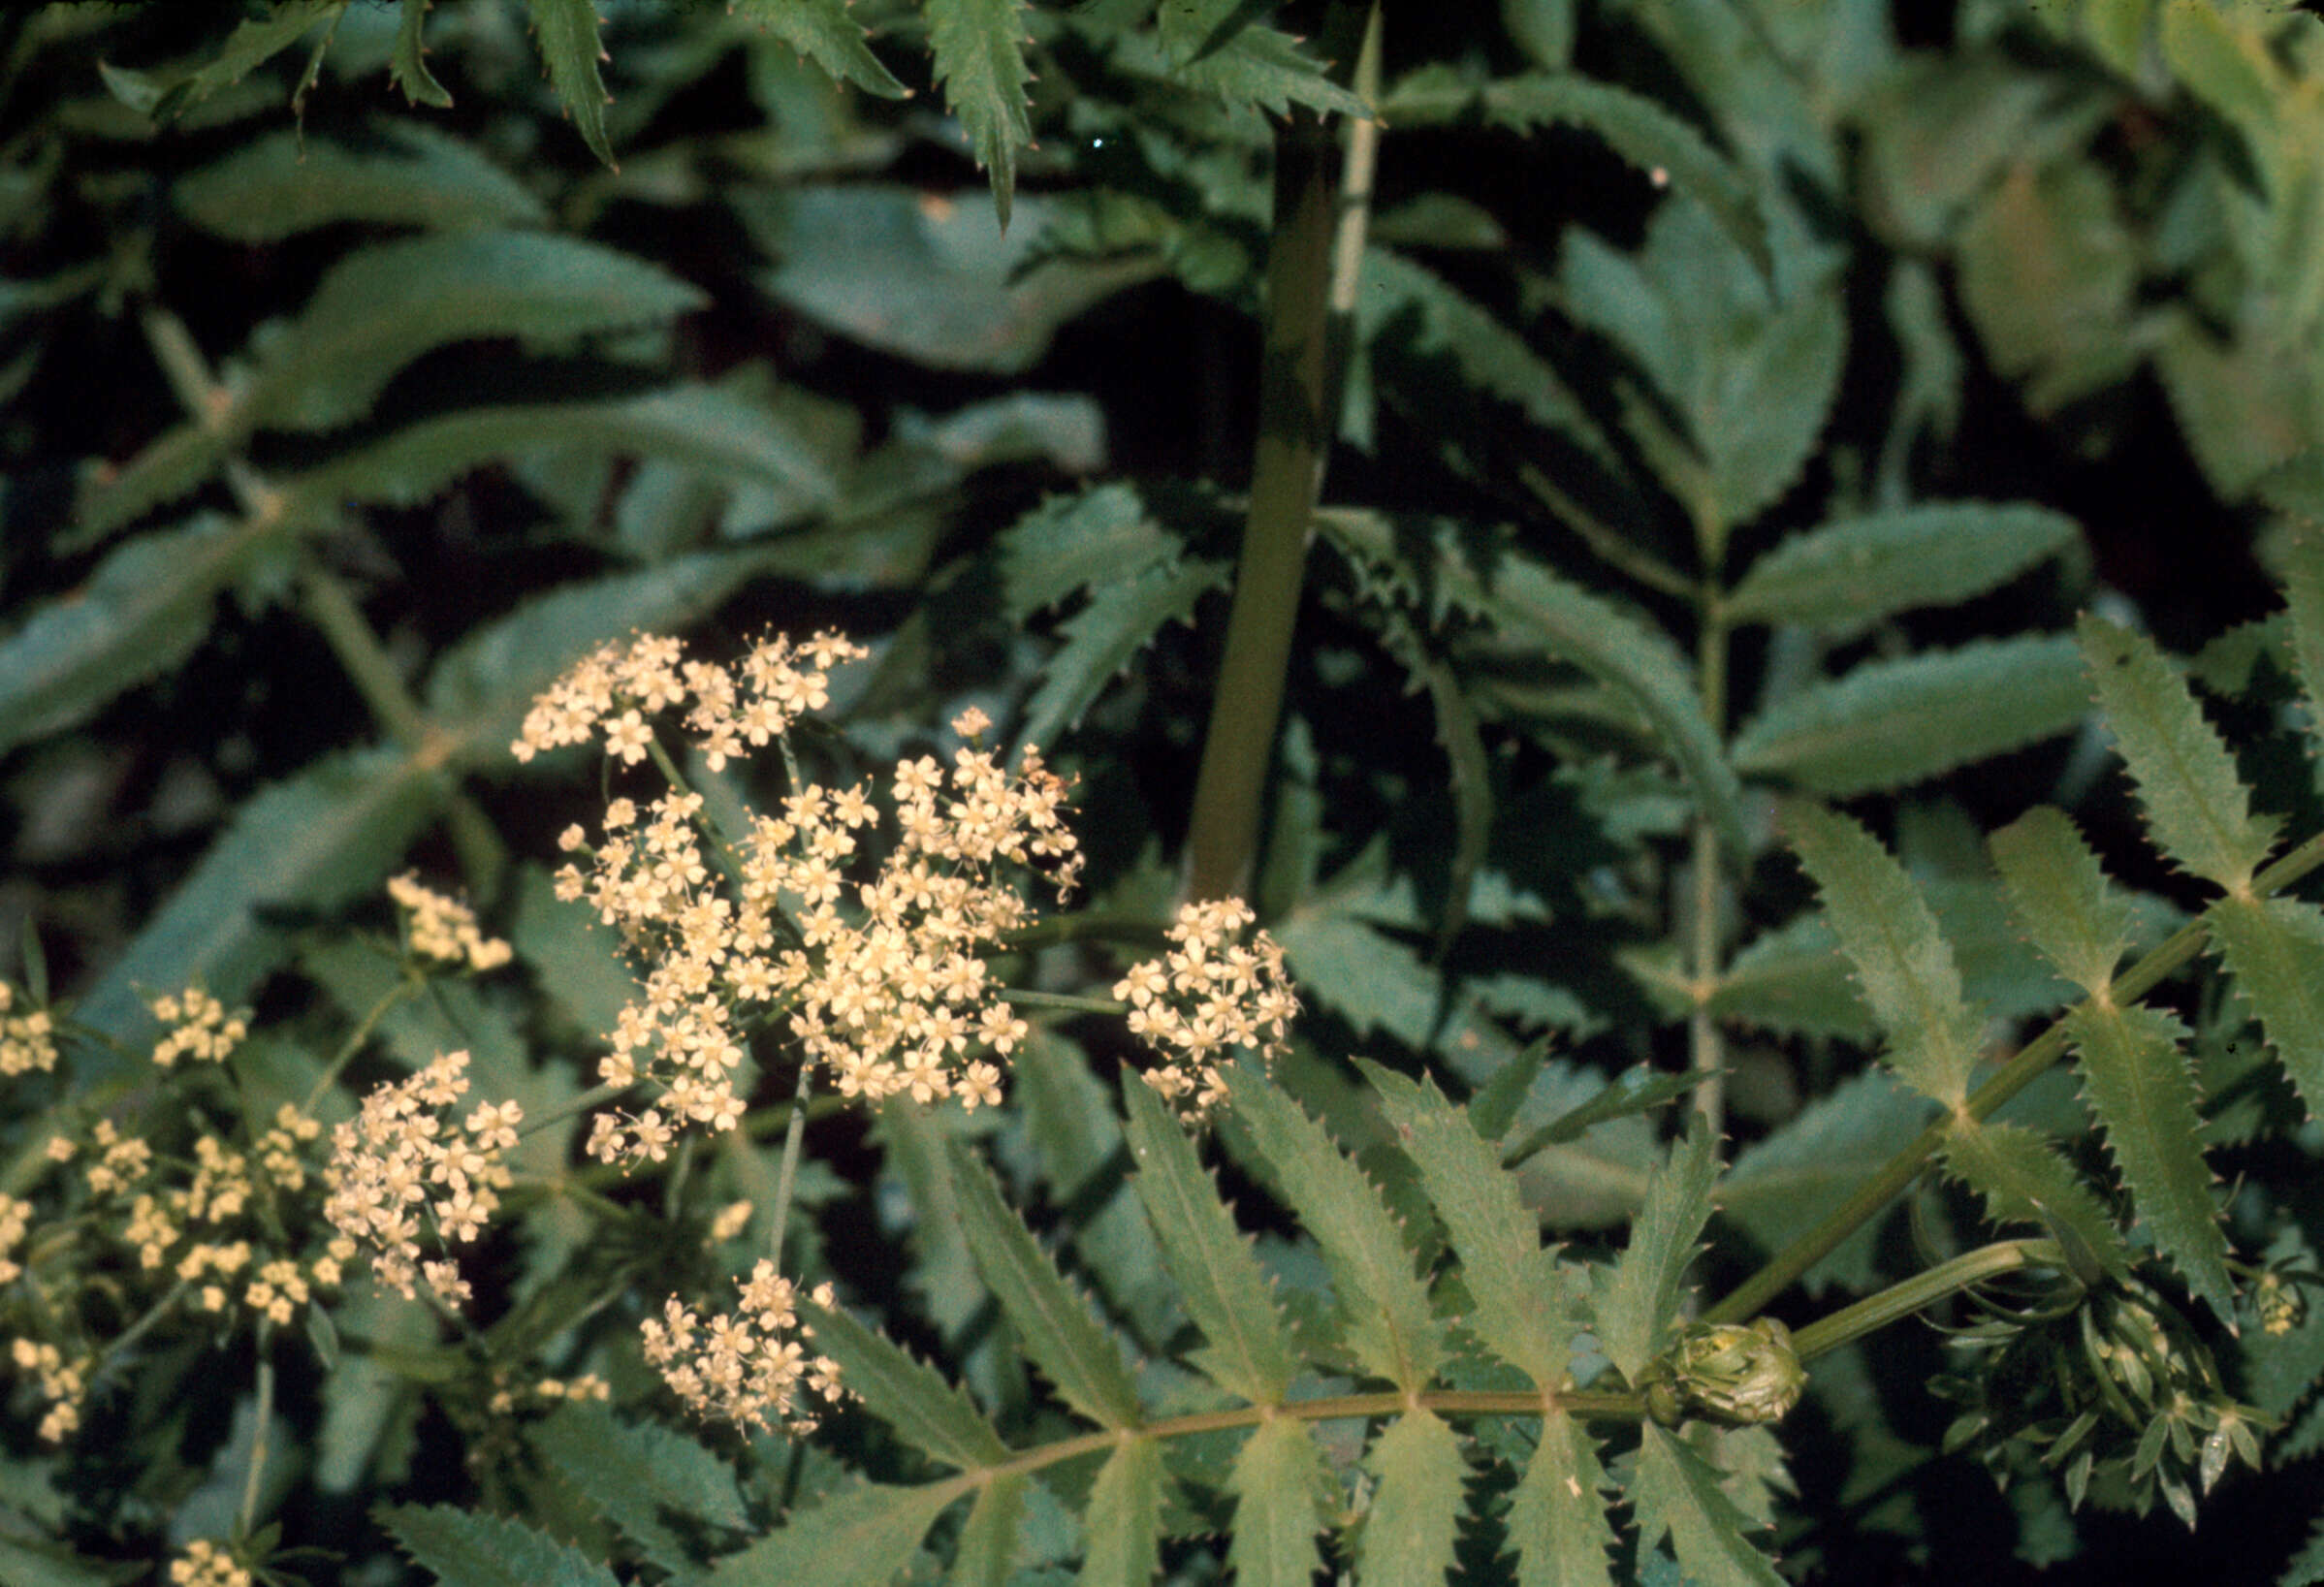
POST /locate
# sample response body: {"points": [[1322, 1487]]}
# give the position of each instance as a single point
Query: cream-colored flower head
{"points": [[748, 1367], [1210, 999]]}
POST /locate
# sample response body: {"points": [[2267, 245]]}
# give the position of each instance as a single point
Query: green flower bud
{"points": [[1737, 1374], [2280, 1304]]}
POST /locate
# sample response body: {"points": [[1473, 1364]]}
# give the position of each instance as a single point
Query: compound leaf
{"points": [[1125, 1517], [632, 1472], [1121, 619], [2058, 890]]}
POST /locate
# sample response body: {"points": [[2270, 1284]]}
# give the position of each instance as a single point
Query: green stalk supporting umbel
{"points": [[1299, 410]]}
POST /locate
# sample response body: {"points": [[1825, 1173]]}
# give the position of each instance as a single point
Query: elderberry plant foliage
{"points": [[1662, 657]]}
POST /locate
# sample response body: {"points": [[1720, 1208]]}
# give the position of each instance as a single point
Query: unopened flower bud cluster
{"points": [[751, 1367], [404, 1168], [1209, 998], [441, 928], [883, 979], [551, 1391]]}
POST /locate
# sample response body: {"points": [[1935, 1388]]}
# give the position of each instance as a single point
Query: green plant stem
{"points": [[787, 1175], [248, 1511], [1611, 548], [1702, 1030], [1298, 411], [1061, 1000], [572, 1105], [1581, 1406], [1921, 1291], [1751, 1298], [403, 987]]}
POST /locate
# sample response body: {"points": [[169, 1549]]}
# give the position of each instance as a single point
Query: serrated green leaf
{"points": [[1677, 1495], [1904, 966], [407, 66], [1842, 578], [1395, 292], [2135, 1071], [1383, 1308], [1367, 977], [1793, 980], [1121, 619], [2022, 1180], [928, 278], [144, 609], [284, 183], [254, 41], [1072, 543], [822, 31], [2275, 950], [26, 1562], [862, 1536], [2196, 803], [1532, 608], [1125, 1517], [1276, 1480], [1889, 724], [2226, 64], [933, 1416], [1060, 1332], [1408, 1534], [1639, 1088], [378, 309], [1522, 1296], [1225, 1291], [1636, 128], [988, 1539], [1557, 1515], [701, 428], [1783, 1185], [312, 842], [943, 1272], [1266, 70], [980, 61], [466, 1549], [1637, 1299], [632, 1472], [2057, 889], [2305, 1568], [568, 31]]}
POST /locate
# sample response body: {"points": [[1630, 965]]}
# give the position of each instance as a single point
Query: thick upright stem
{"points": [[1703, 1031], [1316, 223]]}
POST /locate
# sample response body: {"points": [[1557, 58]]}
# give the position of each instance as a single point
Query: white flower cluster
{"points": [[442, 928], [615, 690], [401, 1166], [1208, 998], [63, 1384], [27, 1040], [200, 1028], [883, 979], [748, 1368]]}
